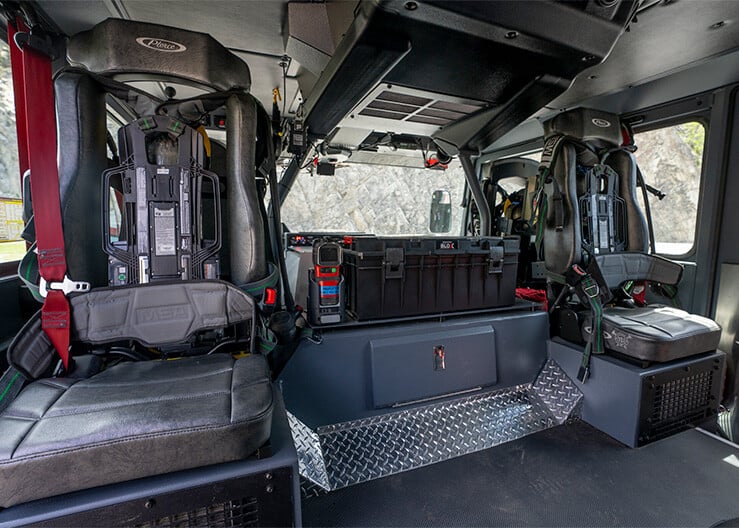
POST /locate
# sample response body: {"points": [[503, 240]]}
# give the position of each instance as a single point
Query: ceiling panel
{"points": [[254, 25], [667, 37], [73, 16], [266, 74]]}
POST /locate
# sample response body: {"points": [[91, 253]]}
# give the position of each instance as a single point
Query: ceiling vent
{"points": [[404, 110]]}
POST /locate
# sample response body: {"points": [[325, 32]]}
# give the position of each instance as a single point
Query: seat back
{"points": [[114, 50], [591, 192], [104, 57]]}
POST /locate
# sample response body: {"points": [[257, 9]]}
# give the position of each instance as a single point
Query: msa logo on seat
{"points": [[157, 44], [602, 123], [163, 313]]}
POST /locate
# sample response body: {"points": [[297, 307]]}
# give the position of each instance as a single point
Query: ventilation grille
{"points": [[399, 106], [679, 403], [680, 397], [235, 513]]}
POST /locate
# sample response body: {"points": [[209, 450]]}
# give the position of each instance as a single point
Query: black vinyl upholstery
{"points": [[653, 333], [137, 419], [131, 421], [656, 333], [637, 234], [562, 247], [80, 104]]}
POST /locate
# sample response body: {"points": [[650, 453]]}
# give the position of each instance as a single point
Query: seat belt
{"points": [[588, 290], [549, 154], [11, 384], [39, 148], [592, 290]]}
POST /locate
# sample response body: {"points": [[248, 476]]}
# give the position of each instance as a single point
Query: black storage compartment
{"points": [[396, 277], [408, 367]]}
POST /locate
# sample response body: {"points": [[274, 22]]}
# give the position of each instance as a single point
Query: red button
{"points": [[270, 296]]}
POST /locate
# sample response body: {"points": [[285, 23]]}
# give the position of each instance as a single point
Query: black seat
{"points": [[148, 417], [655, 333], [131, 421], [593, 215]]}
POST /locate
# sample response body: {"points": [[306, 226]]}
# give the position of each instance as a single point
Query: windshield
{"points": [[376, 199]]}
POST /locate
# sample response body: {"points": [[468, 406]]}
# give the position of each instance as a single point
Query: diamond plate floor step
{"points": [[339, 455]]}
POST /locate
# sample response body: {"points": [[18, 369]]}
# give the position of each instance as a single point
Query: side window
{"points": [[113, 124], [11, 210], [670, 159], [115, 200]]}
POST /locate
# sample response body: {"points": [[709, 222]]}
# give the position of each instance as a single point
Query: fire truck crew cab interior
{"points": [[179, 350]]}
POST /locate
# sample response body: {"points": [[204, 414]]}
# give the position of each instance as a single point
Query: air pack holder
{"points": [[163, 192], [602, 210], [402, 277]]}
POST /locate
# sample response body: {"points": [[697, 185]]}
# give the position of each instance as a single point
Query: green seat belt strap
{"points": [[589, 290], [11, 384]]}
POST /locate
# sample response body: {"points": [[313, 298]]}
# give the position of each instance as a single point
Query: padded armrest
{"points": [[618, 268]]}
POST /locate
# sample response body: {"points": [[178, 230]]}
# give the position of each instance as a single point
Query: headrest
{"points": [[136, 51], [586, 125]]}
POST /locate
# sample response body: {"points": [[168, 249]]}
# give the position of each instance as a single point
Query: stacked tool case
{"points": [[401, 276]]}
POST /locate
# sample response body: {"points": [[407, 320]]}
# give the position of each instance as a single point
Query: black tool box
{"points": [[393, 277]]}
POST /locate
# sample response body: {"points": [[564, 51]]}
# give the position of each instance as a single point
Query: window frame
{"points": [[9, 268], [658, 122]]}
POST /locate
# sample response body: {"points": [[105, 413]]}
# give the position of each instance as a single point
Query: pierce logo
{"points": [[602, 123], [446, 244], [157, 44]]}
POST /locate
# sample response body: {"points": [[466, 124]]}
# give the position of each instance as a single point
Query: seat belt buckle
{"points": [[583, 374], [66, 286], [591, 290]]}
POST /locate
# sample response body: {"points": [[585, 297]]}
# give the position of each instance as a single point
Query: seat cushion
{"points": [[656, 333], [130, 421]]}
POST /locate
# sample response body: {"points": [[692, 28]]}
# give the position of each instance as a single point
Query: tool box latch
{"points": [[394, 263], [496, 259]]}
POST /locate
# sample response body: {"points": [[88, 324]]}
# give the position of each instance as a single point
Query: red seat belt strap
{"points": [[40, 150]]}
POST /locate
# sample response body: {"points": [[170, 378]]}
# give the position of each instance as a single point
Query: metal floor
{"points": [[569, 475]]}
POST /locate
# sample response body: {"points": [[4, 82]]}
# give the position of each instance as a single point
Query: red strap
{"points": [[36, 118], [530, 294], [639, 293]]}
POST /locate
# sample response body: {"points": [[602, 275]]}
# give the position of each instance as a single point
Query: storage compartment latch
{"points": [[496, 259], [394, 263]]}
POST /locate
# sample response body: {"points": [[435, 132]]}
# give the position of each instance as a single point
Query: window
{"points": [[376, 199], [115, 196], [670, 159], [113, 122], [113, 126], [11, 209]]}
